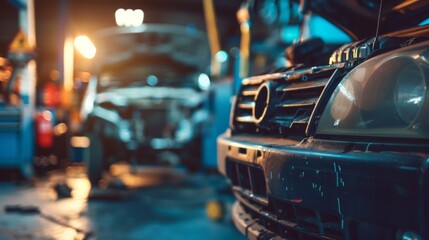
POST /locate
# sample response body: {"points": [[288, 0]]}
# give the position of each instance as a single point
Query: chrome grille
{"points": [[295, 93], [244, 107]]}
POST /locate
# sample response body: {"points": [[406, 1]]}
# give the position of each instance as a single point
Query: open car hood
{"points": [[359, 17], [185, 45]]}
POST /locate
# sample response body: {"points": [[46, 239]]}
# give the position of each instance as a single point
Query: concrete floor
{"points": [[148, 203]]}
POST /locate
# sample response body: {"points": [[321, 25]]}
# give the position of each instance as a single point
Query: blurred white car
{"points": [[146, 101]]}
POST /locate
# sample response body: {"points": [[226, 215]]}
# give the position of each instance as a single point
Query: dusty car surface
{"points": [[340, 150], [146, 101]]}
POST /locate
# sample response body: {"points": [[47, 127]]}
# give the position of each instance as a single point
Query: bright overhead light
{"points": [[85, 47], [137, 17], [129, 17], [120, 17]]}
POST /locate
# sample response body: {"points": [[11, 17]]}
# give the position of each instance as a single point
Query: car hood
{"points": [[147, 96], [359, 17], [185, 45]]}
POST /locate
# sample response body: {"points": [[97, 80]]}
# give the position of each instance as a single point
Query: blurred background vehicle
{"points": [[62, 74], [147, 101]]}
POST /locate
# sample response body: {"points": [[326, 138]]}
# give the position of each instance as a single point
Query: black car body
{"points": [[338, 151], [147, 99]]}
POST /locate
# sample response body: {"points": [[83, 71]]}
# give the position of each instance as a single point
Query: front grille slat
{"points": [[298, 103], [245, 119], [246, 104], [303, 86], [250, 91]]}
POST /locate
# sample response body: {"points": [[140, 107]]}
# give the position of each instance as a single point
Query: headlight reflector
{"points": [[386, 96], [410, 92]]}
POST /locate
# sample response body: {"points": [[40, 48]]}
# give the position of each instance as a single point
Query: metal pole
{"points": [[243, 17], [27, 89], [213, 35]]}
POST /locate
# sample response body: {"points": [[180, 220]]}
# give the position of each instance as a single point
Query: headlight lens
{"points": [[386, 96], [410, 92]]}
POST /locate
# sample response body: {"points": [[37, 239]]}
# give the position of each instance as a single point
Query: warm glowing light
{"points": [[129, 17], [80, 142], [120, 17], [60, 129], [85, 47], [81, 188], [68, 62]]}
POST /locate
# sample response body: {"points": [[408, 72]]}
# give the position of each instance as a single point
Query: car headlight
{"points": [[410, 91], [386, 96]]}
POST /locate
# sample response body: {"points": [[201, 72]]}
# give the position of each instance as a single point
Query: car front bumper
{"points": [[324, 189]]}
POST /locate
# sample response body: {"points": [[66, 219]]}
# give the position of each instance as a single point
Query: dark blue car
{"points": [[337, 150]]}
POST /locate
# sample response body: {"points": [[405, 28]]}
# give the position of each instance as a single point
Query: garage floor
{"points": [[139, 203]]}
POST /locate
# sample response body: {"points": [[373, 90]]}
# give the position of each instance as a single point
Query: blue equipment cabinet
{"points": [[17, 114], [219, 108]]}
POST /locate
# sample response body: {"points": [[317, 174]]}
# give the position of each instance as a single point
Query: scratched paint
{"points": [[339, 206], [318, 187], [337, 179], [342, 182]]}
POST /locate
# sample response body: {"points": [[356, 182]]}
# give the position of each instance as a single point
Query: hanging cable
{"points": [[378, 26]]}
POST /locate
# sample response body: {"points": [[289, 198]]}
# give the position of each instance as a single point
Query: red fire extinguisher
{"points": [[44, 129], [51, 95]]}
